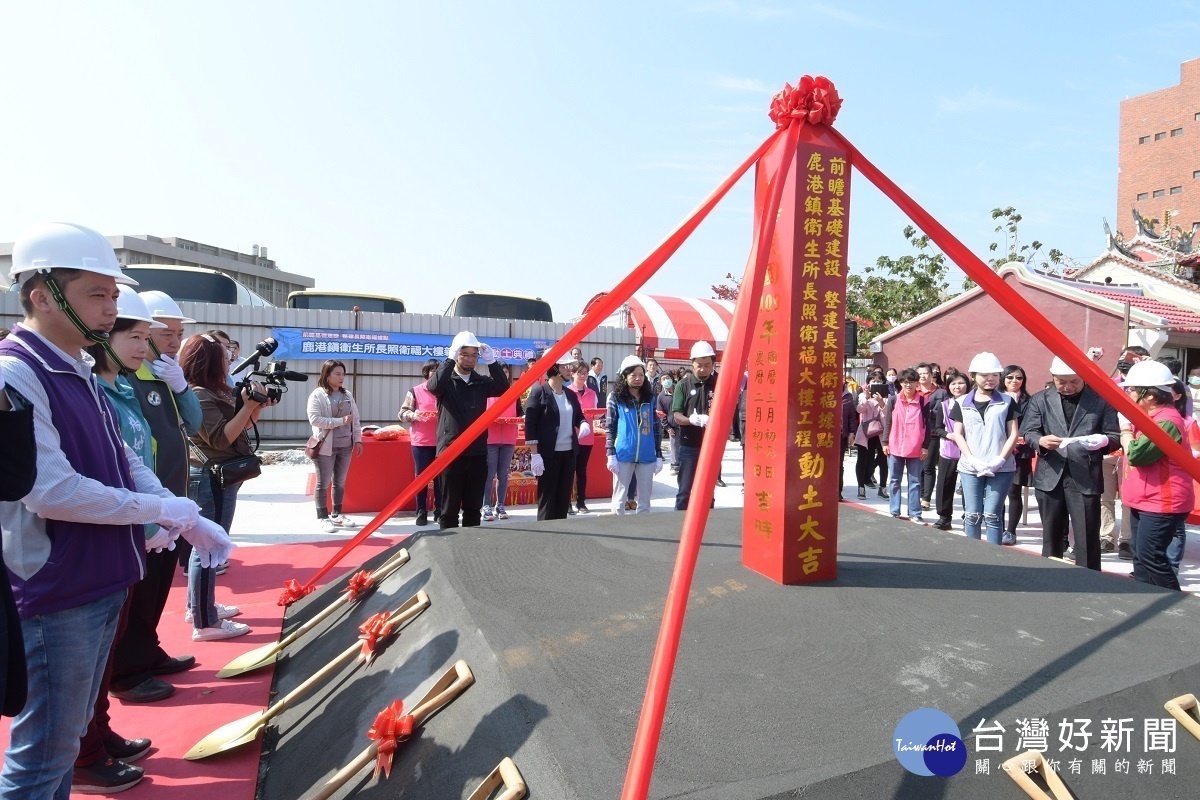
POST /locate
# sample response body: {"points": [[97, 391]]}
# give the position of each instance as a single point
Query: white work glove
{"points": [[162, 539], [658, 465], [584, 429], [996, 463], [612, 464], [486, 354], [1096, 441], [168, 370], [1123, 422], [980, 467], [210, 541], [699, 420], [536, 465], [178, 514]]}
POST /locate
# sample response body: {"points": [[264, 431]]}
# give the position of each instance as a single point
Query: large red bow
{"points": [[813, 100], [293, 591], [377, 626], [360, 582], [391, 726]]}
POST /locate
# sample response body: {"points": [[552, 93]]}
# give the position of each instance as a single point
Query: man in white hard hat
{"points": [[75, 542], [691, 404], [173, 412], [462, 395], [1071, 427]]}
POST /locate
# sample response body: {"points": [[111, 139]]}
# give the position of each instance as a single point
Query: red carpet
{"points": [[201, 702]]}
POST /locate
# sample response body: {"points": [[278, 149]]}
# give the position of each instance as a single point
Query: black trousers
{"points": [[462, 487], [947, 476], [580, 469], [138, 649], [870, 457], [554, 484], [929, 471], [1066, 505]]}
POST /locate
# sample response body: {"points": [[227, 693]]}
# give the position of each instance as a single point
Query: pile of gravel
{"points": [[295, 457]]}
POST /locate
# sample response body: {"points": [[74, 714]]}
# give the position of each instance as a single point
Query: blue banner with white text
{"points": [[322, 343]]}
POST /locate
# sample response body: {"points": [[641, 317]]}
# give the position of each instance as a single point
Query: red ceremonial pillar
{"points": [[794, 375]]}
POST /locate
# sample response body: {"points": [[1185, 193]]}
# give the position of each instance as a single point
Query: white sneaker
{"points": [[487, 514], [223, 612], [342, 521], [227, 629], [328, 525]]}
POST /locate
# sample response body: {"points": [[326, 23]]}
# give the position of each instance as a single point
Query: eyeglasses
{"points": [[1015, 378]]}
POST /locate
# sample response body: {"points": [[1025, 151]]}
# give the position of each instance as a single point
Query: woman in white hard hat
{"points": [[632, 440], [985, 430], [1156, 490]]}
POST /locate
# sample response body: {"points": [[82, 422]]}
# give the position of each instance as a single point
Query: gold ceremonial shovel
{"points": [[453, 682], [244, 730], [1180, 709], [507, 775], [1015, 767], [262, 656]]}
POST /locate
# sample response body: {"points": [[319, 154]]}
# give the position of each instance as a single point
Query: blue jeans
{"points": [[499, 461], [202, 581], [983, 499], [689, 461], [897, 468], [65, 653], [1177, 545], [1152, 536]]}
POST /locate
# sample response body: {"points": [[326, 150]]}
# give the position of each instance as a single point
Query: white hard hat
{"points": [[702, 350], [566, 360], [985, 363], [632, 361], [1149, 374], [162, 306], [463, 339], [64, 246], [130, 305], [1059, 367]]}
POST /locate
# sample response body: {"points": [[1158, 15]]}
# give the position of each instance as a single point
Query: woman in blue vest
{"points": [[985, 430], [633, 439]]}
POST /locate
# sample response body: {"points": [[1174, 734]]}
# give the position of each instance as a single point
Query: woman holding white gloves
{"points": [[632, 440], [554, 422], [337, 429], [985, 430]]}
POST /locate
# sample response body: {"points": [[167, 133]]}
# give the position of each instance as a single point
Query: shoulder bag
{"points": [[231, 471]]}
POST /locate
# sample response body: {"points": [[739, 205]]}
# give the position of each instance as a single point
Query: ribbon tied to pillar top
{"points": [[391, 726], [814, 101]]}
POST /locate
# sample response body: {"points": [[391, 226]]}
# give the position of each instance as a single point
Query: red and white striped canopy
{"points": [[668, 326]]}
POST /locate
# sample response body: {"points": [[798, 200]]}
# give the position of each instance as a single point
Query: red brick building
{"points": [[1159, 155]]}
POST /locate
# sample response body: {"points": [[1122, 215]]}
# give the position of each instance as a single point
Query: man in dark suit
{"points": [[1071, 427]]}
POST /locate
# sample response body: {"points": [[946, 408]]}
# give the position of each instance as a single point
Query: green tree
{"points": [[1011, 248], [894, 290]]}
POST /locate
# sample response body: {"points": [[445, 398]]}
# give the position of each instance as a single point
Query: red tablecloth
{"points": [[386, 468]]}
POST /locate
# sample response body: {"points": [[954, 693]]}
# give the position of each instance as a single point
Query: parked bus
{"points": [[194, 284], [345, 301], [500, 306]]}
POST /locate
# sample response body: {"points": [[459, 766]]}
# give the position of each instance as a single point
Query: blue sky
{"points": [[544, 148]]}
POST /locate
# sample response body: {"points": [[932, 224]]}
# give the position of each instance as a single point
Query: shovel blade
{"points": [[228, 736], [248, 662]]}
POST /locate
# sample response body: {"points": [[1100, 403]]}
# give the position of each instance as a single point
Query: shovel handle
{"points": [[387, 568], [1179, 708], [450, 685], [507, 775]]}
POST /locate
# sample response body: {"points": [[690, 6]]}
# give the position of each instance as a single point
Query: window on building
{"points": [[1143, 196], [1176, 132], [1196, 174], [1176, 190], [1160, 135], [1196, 116], [1159, 192], [1143, 139]]}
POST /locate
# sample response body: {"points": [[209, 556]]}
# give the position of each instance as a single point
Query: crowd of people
{"points": [[980, 435]]}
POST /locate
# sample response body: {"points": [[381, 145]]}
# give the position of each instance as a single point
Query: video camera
{"points": [[275, 376]]}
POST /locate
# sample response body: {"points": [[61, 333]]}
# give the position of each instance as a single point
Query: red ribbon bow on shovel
{"points": [[293, 591], [360, 582], [391, 726], [376, 627]]}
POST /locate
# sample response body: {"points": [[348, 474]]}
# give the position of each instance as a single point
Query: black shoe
{"points": [[1008, 539], [105, 777], [871, 485], [1106, 546], [148, 691], [897, 516], [720, 483], [171, 666], [222, 567], [571, 510], [1124, 552], [884, 494], [862, 493], [943, 524], [582, 508], [422, 519], [127, 750]]}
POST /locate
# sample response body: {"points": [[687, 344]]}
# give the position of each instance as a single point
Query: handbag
{"points": [[874, 427], [231, 471], [313, 445]]}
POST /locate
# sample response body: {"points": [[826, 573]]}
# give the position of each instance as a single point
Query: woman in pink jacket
{"points": [[1157, 491], [502, 441], [420, 411]]}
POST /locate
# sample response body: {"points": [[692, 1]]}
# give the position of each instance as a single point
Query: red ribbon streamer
{"points": [[293, 591], [600, 311], [814, 101], [391, 726], [360, 582], [377, 627]]}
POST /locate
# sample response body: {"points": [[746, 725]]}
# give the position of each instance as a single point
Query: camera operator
{"points": [[222, 437]]}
